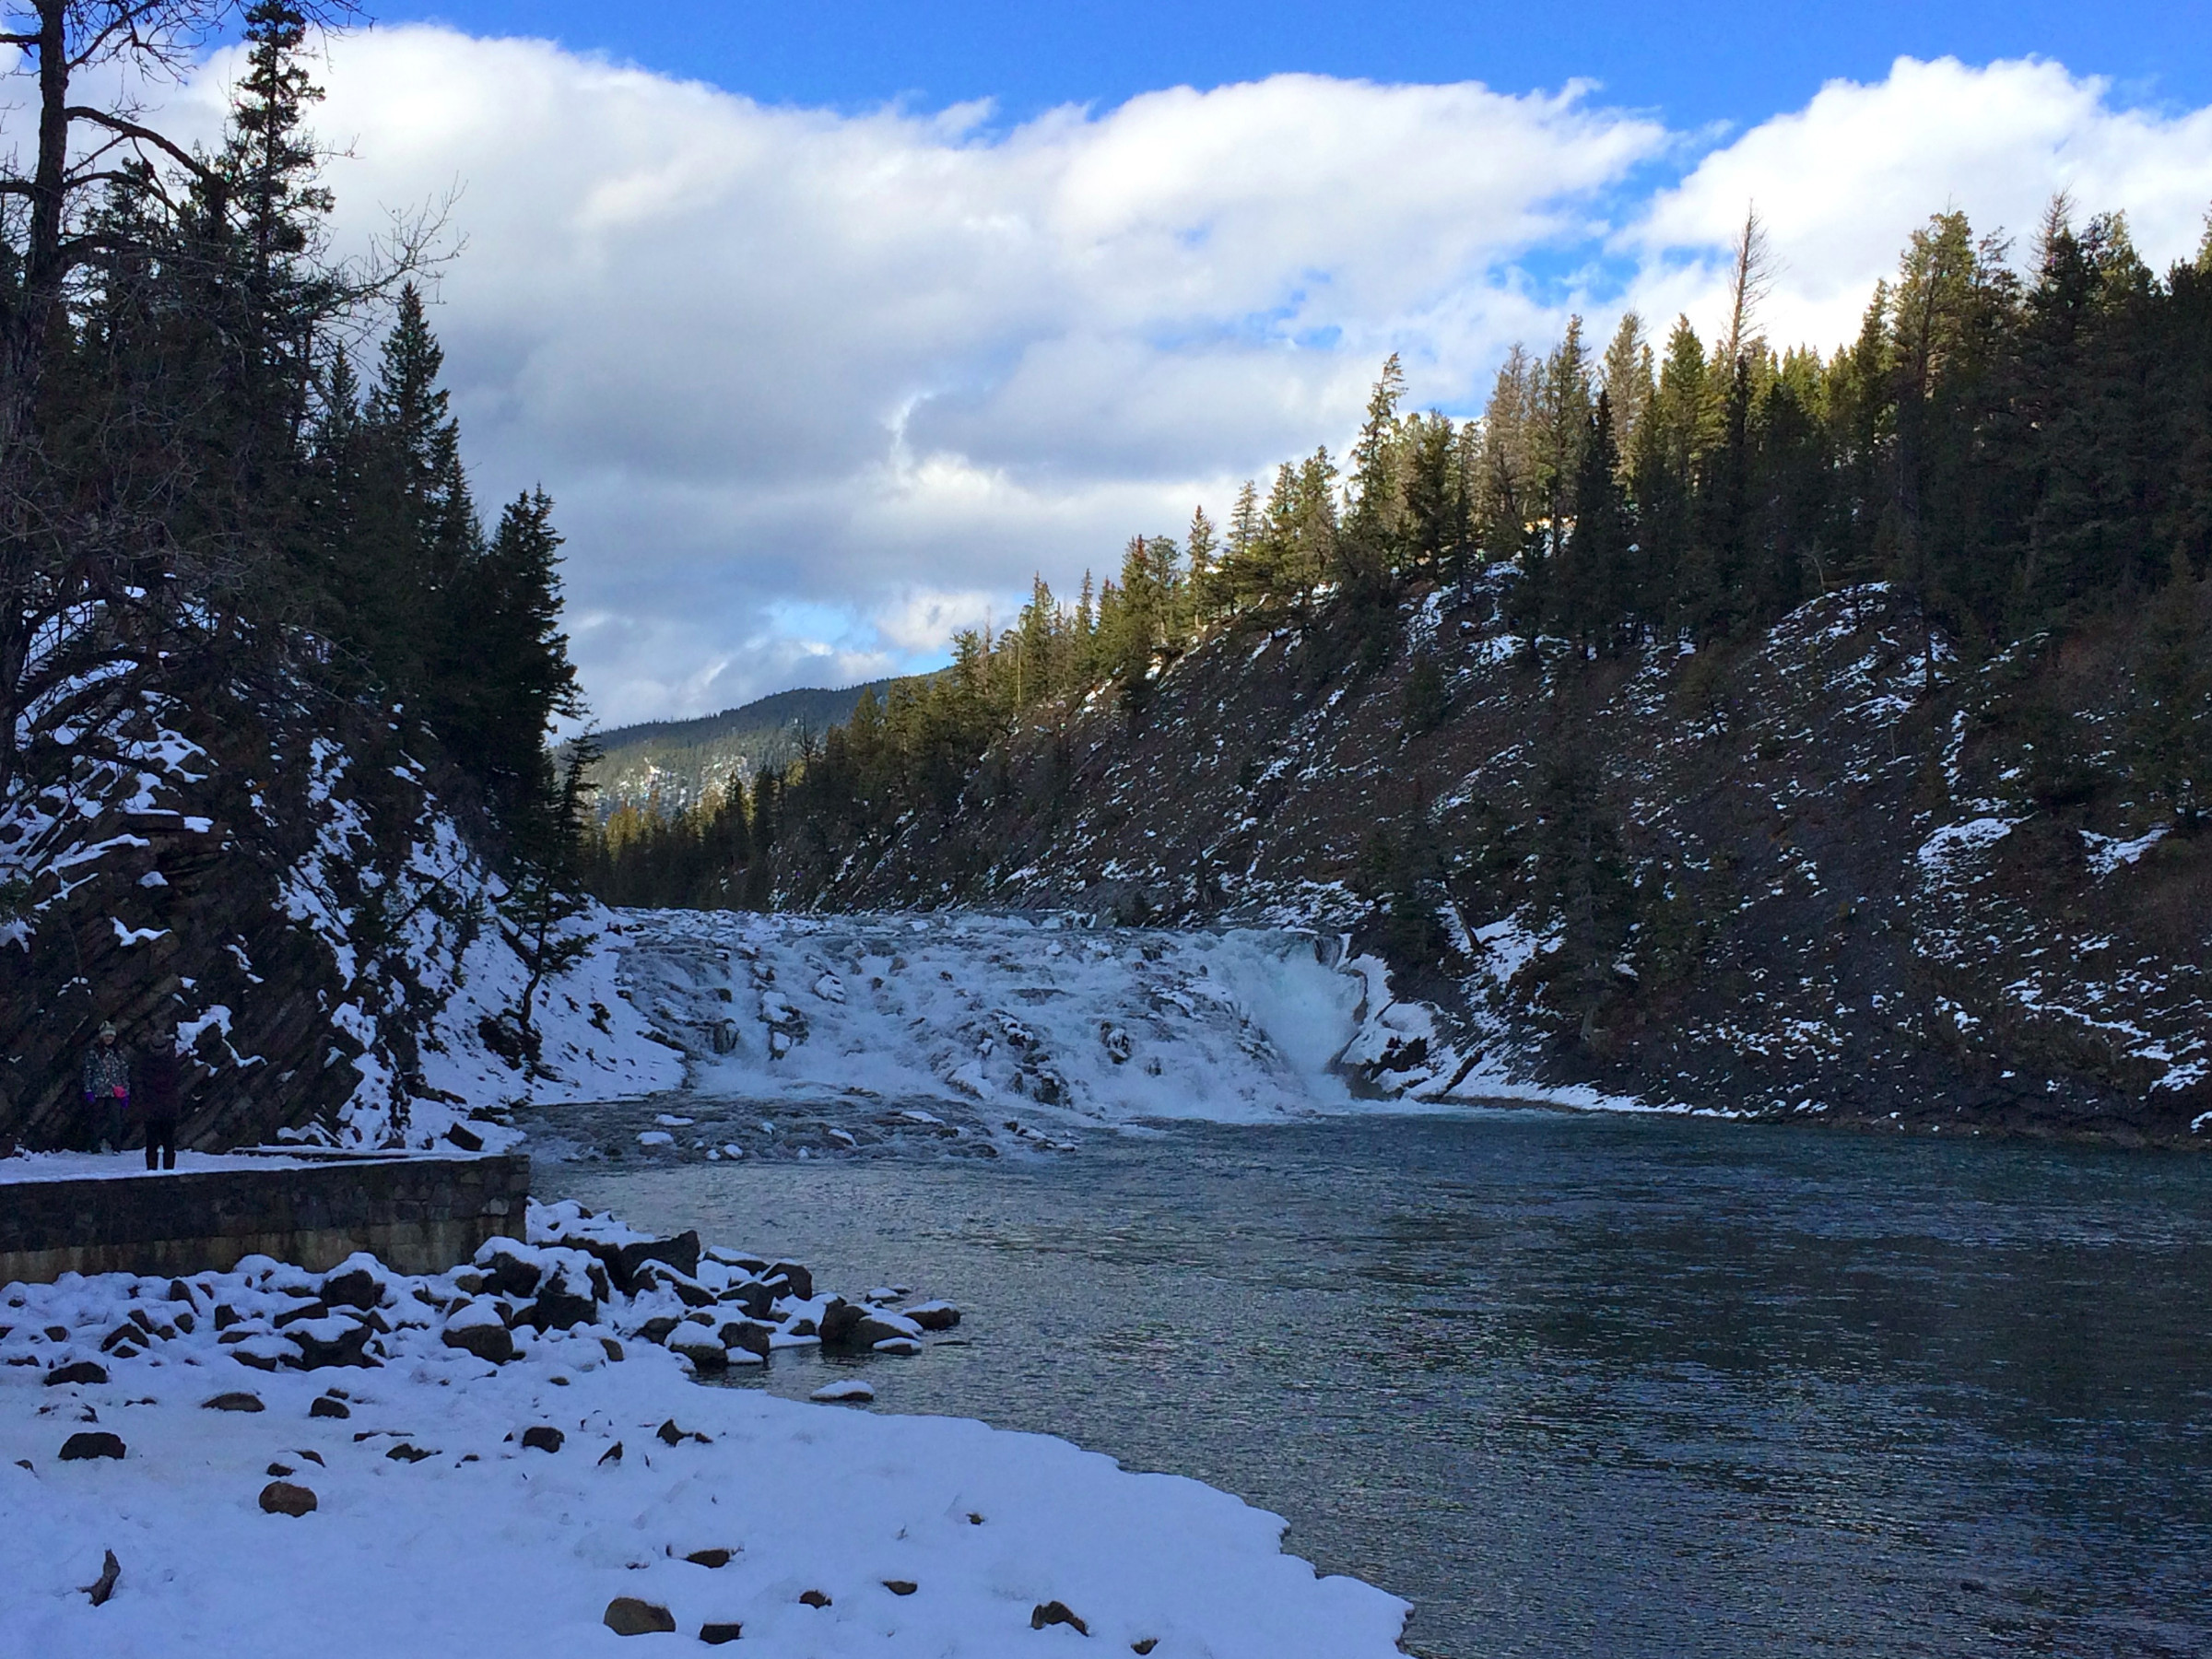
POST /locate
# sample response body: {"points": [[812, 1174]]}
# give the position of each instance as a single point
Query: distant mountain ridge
{"points": [[677, 762]]}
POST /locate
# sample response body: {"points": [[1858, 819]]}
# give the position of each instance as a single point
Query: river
{"points": [[1581, 1385]]}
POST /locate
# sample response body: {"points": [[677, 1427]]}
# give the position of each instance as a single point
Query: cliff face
{"points": [[1832, 871], [285, 886]]}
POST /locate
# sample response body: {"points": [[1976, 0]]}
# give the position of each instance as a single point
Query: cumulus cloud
{"points": [[1841, 183], [811, 388]]}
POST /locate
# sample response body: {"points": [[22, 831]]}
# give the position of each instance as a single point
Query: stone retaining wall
{"points": [[415, 1215]]}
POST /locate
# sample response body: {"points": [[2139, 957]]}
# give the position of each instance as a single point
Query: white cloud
{"points": [[810, 388], [1842, 182]]}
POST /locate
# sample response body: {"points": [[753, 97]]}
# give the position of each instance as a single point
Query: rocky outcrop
{"points": [[1833, 872]]}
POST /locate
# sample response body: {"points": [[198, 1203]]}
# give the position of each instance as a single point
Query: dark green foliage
{"points": [[2018, 458], [200, 497]]}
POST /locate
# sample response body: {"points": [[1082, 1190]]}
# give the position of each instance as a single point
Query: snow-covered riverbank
{"points": [[435, 1527]]}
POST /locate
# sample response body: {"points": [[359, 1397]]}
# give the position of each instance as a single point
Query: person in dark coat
{"points": [[108, 1085], [160, 1098]]}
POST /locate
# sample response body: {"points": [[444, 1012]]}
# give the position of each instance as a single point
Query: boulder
{"points": [[336, 1340], [714, 1635], [478, 1329], [750, 1335], [357, 1282], [629, 1616], [901, 1586], [709, 1557], [854, 1393], [755, 1298], [681, 1252], [813, 1598], [509, 1268], [542, 1437], [90, 1444], [698, 1346], [658, 1328], [800, 1280], [934, 1315], [328, 1408], [562, 1305], [282, 1497], [838, 1320], [237, 1400], [873, 1328]]}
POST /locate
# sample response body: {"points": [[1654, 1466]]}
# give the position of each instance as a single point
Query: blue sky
{"points": [[818, 366], [1697, 60]]}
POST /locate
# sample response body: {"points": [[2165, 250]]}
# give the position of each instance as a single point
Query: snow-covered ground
{"points": [[434, 1529]]}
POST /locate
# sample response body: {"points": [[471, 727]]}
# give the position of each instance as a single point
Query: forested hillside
{"points": [[1704, 714], [664, 767], [274, 697]]}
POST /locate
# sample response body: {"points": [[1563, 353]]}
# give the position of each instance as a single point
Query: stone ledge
{"points": [[415, 1215]]}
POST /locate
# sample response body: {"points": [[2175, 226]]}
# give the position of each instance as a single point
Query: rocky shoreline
{"points": [[516, 1457], [583, 1287]]}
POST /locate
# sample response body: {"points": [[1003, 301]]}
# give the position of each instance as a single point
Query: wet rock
{"points": [[236, 1400], [873, 1328], [84, 1371], [542, 1437], [90, 1443], [1056, 1613], [934, 1315], [631, 1615], [854, 1393], [282, 1497], [838, 1322]]}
